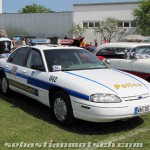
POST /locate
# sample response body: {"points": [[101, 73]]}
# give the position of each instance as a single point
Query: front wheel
{"points": [[61, 108], [4, 85]]}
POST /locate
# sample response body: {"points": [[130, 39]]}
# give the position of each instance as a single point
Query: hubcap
{"points": [[4, 85], [60, 109]]}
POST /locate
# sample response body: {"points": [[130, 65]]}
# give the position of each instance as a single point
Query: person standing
{"points": [[28, 42], [82, 42], [95, 43], [23, 42], [105, 42]]}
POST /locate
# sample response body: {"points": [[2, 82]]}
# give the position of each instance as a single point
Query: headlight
{"points": [[105, 98]]}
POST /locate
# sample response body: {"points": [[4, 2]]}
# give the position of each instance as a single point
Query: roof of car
{"points": [[4, 39], [122, 44], [24, 36], [52, 47]]}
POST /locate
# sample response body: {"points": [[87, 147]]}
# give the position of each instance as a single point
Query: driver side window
{"points": [[35, 60], [107, 50]]}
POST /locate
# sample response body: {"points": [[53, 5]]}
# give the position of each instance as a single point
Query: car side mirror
{"points": [[38, 67]]}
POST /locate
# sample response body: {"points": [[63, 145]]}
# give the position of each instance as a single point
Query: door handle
{"points": [[6, 66], [24, 71]]}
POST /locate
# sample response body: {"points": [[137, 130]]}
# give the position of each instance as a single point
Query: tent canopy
{"points": [[134, 38]]}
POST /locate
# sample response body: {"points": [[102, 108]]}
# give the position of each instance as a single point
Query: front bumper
{"points": [[99, 112]]}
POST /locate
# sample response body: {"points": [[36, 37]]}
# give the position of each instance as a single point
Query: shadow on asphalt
{"points": [[42, 112]]}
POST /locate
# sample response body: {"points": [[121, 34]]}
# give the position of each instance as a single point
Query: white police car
{"points": [[74, 83]]}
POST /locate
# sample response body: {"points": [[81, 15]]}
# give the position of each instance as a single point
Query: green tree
{"points": [[77, 30], [34, 8], [142, 17], [108, 28]]}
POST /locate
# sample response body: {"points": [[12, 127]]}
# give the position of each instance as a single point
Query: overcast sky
{"points": [[12, 6]]}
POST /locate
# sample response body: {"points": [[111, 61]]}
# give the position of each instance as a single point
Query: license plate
{"points": [[142, 109]]}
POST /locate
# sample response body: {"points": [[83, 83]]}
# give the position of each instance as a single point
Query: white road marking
{"points": [[122, 137], [130, 134]]}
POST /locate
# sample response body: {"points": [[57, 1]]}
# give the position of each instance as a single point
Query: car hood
{"points": [[109, 81], [5, 55]]}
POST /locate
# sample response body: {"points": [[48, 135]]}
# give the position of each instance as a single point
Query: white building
{"points": [[59, 24], [0, 6], [89, 15]]}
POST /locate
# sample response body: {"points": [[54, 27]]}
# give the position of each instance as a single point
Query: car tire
{"points": [[4, 86], [62, 109]]}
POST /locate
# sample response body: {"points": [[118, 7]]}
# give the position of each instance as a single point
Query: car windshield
{"points": [[72, 59], [143, 52]]}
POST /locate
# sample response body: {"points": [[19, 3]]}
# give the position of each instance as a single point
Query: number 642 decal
{"points": [[53, 78]]}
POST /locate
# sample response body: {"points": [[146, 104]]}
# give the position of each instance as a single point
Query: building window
{"points": [[120, 24], [126, 24], [91, 24], [97, 24], [133, 24], [85, 25]]}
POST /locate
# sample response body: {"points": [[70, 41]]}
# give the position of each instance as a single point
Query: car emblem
{"points": [[140, 97]]}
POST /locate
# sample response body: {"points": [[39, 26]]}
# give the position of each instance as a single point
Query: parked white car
{"points": [[136, 60], [113, 50], [74, 83]]}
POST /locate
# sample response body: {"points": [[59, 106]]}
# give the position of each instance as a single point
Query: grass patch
{"points": [[25, 120]]}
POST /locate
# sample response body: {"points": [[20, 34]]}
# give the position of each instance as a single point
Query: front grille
{"points": [[136, 97]]}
